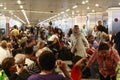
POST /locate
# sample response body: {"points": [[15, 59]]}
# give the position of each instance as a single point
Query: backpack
{"points": [[3, 75]]}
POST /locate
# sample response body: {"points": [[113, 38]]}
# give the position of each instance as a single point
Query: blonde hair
{"points": [[40, 51], [3, 44], [19, 58]]}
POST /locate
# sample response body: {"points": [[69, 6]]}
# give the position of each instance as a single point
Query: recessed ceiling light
{"points": [[93, 10], [21, 6], [5, 8], [119, 3], [86, 1], [62, 12], [73, 12], [18, 1], [1, 5], [96, 5], [88, 7], [83, 2]]}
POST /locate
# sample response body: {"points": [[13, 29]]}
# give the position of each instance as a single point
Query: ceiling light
{"points": [[73, 12], [58, 14], [5, 8], [18, 1], [88, 7], [67, 10], [23, 11], [74, 6], [83, 2], [93, 10], [96, 5], [86, 1], [1, 5], [62, 12], [21, 6], [20, 19], [15, 16], [0, 14], [118, 3]]}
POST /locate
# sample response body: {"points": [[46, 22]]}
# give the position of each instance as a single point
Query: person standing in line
{"points": [[117, 42], [78, 42], [101, 27], [84, 31]]}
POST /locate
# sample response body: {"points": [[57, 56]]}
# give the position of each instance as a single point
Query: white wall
{"points": [[113, 13]]}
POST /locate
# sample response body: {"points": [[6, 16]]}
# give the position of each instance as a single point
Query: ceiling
{"points": [[40, 10]]}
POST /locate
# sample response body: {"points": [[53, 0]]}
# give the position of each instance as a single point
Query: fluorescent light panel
{"points": [[67, 10], [74, 6], [21, 7], [23, 11]]}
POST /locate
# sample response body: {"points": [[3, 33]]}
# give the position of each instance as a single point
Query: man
{"points": [[84, 30], [15, 31], [117, 42], [101, 27], [78, 42], [47, 62]]}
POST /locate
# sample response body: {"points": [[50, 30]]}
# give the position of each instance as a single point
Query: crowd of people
{"points": [[35, 53]]}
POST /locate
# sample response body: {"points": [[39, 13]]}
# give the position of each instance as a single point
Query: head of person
{"points": [[9, 66], [29, 50], [9, 45], [103, 48], [42, 44], [99, 22], [20, 59], [84, 26], [40, 51], [95, 28], [3, 44], [75, 59], [47, 61], [76, 29], [53, 31], [91, 39], [15, 27]]}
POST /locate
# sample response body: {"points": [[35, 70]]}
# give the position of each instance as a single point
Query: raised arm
{"points": [[63, 67]]}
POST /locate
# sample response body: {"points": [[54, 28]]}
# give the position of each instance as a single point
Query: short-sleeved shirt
{"points": [[47, 77], [75, 73], [53, 37]]}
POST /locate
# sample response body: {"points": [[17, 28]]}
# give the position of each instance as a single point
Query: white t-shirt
{"points": [[28, 61], [53, 37], [4, 54]]}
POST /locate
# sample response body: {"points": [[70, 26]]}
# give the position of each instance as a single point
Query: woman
{"points": [[53, 41], [107, 58], [10, 68], [78, 42]]}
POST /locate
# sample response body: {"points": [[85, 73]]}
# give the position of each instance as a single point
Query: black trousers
{"points": [[107, 78]]}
